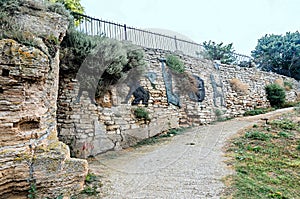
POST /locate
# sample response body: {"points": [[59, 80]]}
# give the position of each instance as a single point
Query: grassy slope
{"points": [[266, 159]]}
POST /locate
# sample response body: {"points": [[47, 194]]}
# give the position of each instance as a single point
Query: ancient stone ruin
{"points": [[31, 156], [42, 121], [90, 130]]}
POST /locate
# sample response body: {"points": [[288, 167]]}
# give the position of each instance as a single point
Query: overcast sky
{"points": [[241, 22]]}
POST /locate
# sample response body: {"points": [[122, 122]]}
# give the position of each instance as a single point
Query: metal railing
{"points": [[144, 38]]}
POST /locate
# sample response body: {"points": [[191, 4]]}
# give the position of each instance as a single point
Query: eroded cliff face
{"points": [[31, 157]]}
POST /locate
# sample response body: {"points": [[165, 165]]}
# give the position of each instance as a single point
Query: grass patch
{"points": [[266, 161], [258, 111], [141, 113], [175, 64], [158, 138]]}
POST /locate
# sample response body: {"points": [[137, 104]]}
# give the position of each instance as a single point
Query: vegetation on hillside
{"points": [[266, 160]]}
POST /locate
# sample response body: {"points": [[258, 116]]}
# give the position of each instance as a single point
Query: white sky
{"points": [[242, 22]]}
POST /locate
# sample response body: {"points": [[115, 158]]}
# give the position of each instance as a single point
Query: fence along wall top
{"points": [[237, 55], [136, 29]]}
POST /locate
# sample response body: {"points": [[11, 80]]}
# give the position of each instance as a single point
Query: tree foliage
{"points": [[221, 52], [71, 5], [279, 54]]}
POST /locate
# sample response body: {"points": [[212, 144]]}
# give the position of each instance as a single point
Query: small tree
{"points": [[221, 52], [275, 95]]}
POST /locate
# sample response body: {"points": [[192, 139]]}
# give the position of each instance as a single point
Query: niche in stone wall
{"points": [[1, 90], [27, 124], [5, 72], [197, 91]]}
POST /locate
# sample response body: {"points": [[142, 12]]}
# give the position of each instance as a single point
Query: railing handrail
{"points": [[126, 28]]}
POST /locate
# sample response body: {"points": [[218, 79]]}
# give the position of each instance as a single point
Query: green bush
{"points": [[284, 124], [90, 177], [275, 95], [257, 135], [141, 113], [114, 61], [258, 111], [175, 64], [75, 47]]}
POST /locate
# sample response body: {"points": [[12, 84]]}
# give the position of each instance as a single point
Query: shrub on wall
{"points": [[275, 95], [75, 47], [110, 59], [175, 64], [239, 86], [141, 113]]}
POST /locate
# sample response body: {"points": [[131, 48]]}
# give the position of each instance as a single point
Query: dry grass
{"points": [[239, 86], [186, 83], [298, 96], [279, 81]]}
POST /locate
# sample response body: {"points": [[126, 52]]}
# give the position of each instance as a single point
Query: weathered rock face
{"points": [[31, 156], [90, 130]]}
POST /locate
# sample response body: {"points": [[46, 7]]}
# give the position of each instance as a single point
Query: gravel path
{"points": [[190, 165]]}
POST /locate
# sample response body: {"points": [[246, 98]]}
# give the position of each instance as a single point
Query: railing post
{"points": [[175, 39], [125, 31]]}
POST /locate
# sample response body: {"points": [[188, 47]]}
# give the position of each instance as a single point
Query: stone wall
{"points": [[31, 156], [229, 92]]}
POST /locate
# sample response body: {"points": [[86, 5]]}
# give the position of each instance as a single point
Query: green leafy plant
{"points": [[67, 7], [71, 5], [7, 24], [175, 64], [279, 54], [221, 52], [58, 8], [141, 113], [32, 191], [219, 115], [90, 177], [257, 135], [275, 95], [284, 124], [91, 191], [113, 61]]}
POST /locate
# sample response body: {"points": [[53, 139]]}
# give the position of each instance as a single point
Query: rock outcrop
{"points": [[32, 159]]}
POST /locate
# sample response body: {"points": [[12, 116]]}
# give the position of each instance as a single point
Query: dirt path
{"points": [[190, 165]]}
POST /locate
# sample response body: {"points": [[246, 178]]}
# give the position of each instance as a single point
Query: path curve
{"points": [[190, 165]]}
